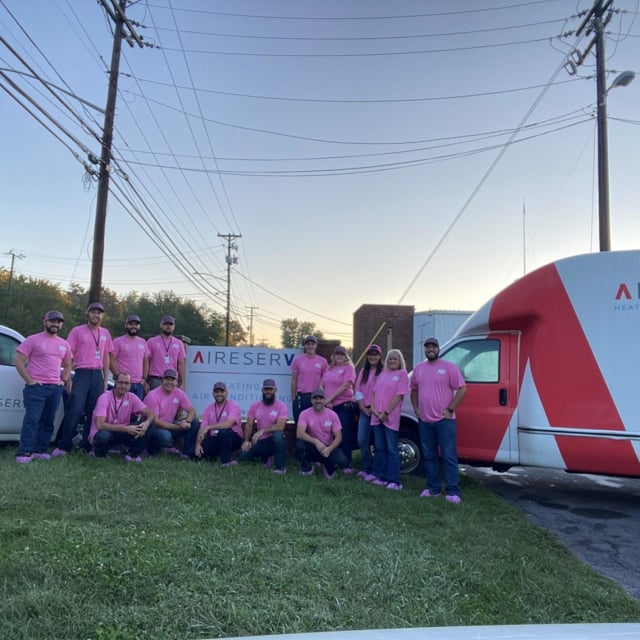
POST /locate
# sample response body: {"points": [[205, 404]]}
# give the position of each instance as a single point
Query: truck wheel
{"points": [[410, 451]]}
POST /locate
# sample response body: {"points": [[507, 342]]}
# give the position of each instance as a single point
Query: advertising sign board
{"points": [[242, 369]]}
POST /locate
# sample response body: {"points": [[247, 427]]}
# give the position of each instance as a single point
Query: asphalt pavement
{"points": [[596, 517]]}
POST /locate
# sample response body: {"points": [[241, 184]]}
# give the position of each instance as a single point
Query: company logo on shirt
{"points": [[327, 423], [175, 401], [273, 412], [395, 378], [441, 372], [317, 365]]}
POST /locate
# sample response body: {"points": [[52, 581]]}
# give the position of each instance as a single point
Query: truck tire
{"points": [[409, 448]]}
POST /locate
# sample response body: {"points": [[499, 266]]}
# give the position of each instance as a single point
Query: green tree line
{"points": [[24, 301]]}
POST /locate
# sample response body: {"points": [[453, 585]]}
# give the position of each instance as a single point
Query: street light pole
{"points": [[596, 21], [603, 137]]}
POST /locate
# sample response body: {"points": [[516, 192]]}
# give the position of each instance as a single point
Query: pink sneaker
{"points": [[57, 453], [231, 463], [427, 494], [453, 499], [128, 458], [395, 486], [369, 477], [327, 475], [379, 483], [308, 472], [347, 471], [40, 456], [23, 459], [362, 474], [172, 451], [269, 463]]}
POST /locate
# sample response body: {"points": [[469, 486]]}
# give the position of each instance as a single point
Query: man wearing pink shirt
{"points": [[220, 428], [174, 417], [114, 421], [318, 438], [307, 370], [43, 361], [166, 352], [437, 388], [131, 355], [264, 430], [91, 346]]}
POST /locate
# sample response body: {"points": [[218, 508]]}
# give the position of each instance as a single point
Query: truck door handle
{"points": [[502, 397]]}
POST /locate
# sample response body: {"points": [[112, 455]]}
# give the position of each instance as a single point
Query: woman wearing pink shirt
{"points": [[364, 386], [338, 382], [386, 403]]}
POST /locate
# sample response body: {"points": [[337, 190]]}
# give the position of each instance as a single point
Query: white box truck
{"points": [[435, 324], [552, 371]]}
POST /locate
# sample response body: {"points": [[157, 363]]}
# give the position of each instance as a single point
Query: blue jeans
{"points": [[87, 386], [165, 438], [137, 388], [386, 459], [364, 442], [440, 434], [301, 402], [347, 414], [221, 445], [40, 405], [264, 449], [104, 439], [306, 453]]}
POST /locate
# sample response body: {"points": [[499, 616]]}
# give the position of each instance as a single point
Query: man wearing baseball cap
{"points": [[307, 370], [131, 355], [318, 438], [166, 352], [264, 430], [175, 416], [39, 361], [220, 430], [91, 345], [437, 388]]}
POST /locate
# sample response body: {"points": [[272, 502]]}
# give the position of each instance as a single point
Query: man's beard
{"points": [[132, 331], [270, 400]]}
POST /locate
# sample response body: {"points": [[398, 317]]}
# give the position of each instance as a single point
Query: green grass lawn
{"points": [[171, 549]]}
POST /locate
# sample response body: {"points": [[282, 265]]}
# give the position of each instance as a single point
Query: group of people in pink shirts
{"points": [[335, 410]]}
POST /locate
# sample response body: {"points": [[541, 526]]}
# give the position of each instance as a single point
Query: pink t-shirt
{"points": [[310, 370], [367, 387], [45, 354], [388, 385], [130, 352], [436, 383], [322, 425], [167, 405], [115, 410], [90, 347], [267, 415], [334, 377], [229, 410], [164, 353]]}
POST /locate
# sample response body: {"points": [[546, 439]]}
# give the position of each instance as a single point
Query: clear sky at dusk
{"points": [[349, 142]]}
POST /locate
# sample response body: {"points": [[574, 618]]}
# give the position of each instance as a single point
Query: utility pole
{"points": [[251, 310], [14, 255], [597, 22], [116, 11], [229, 237]]}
